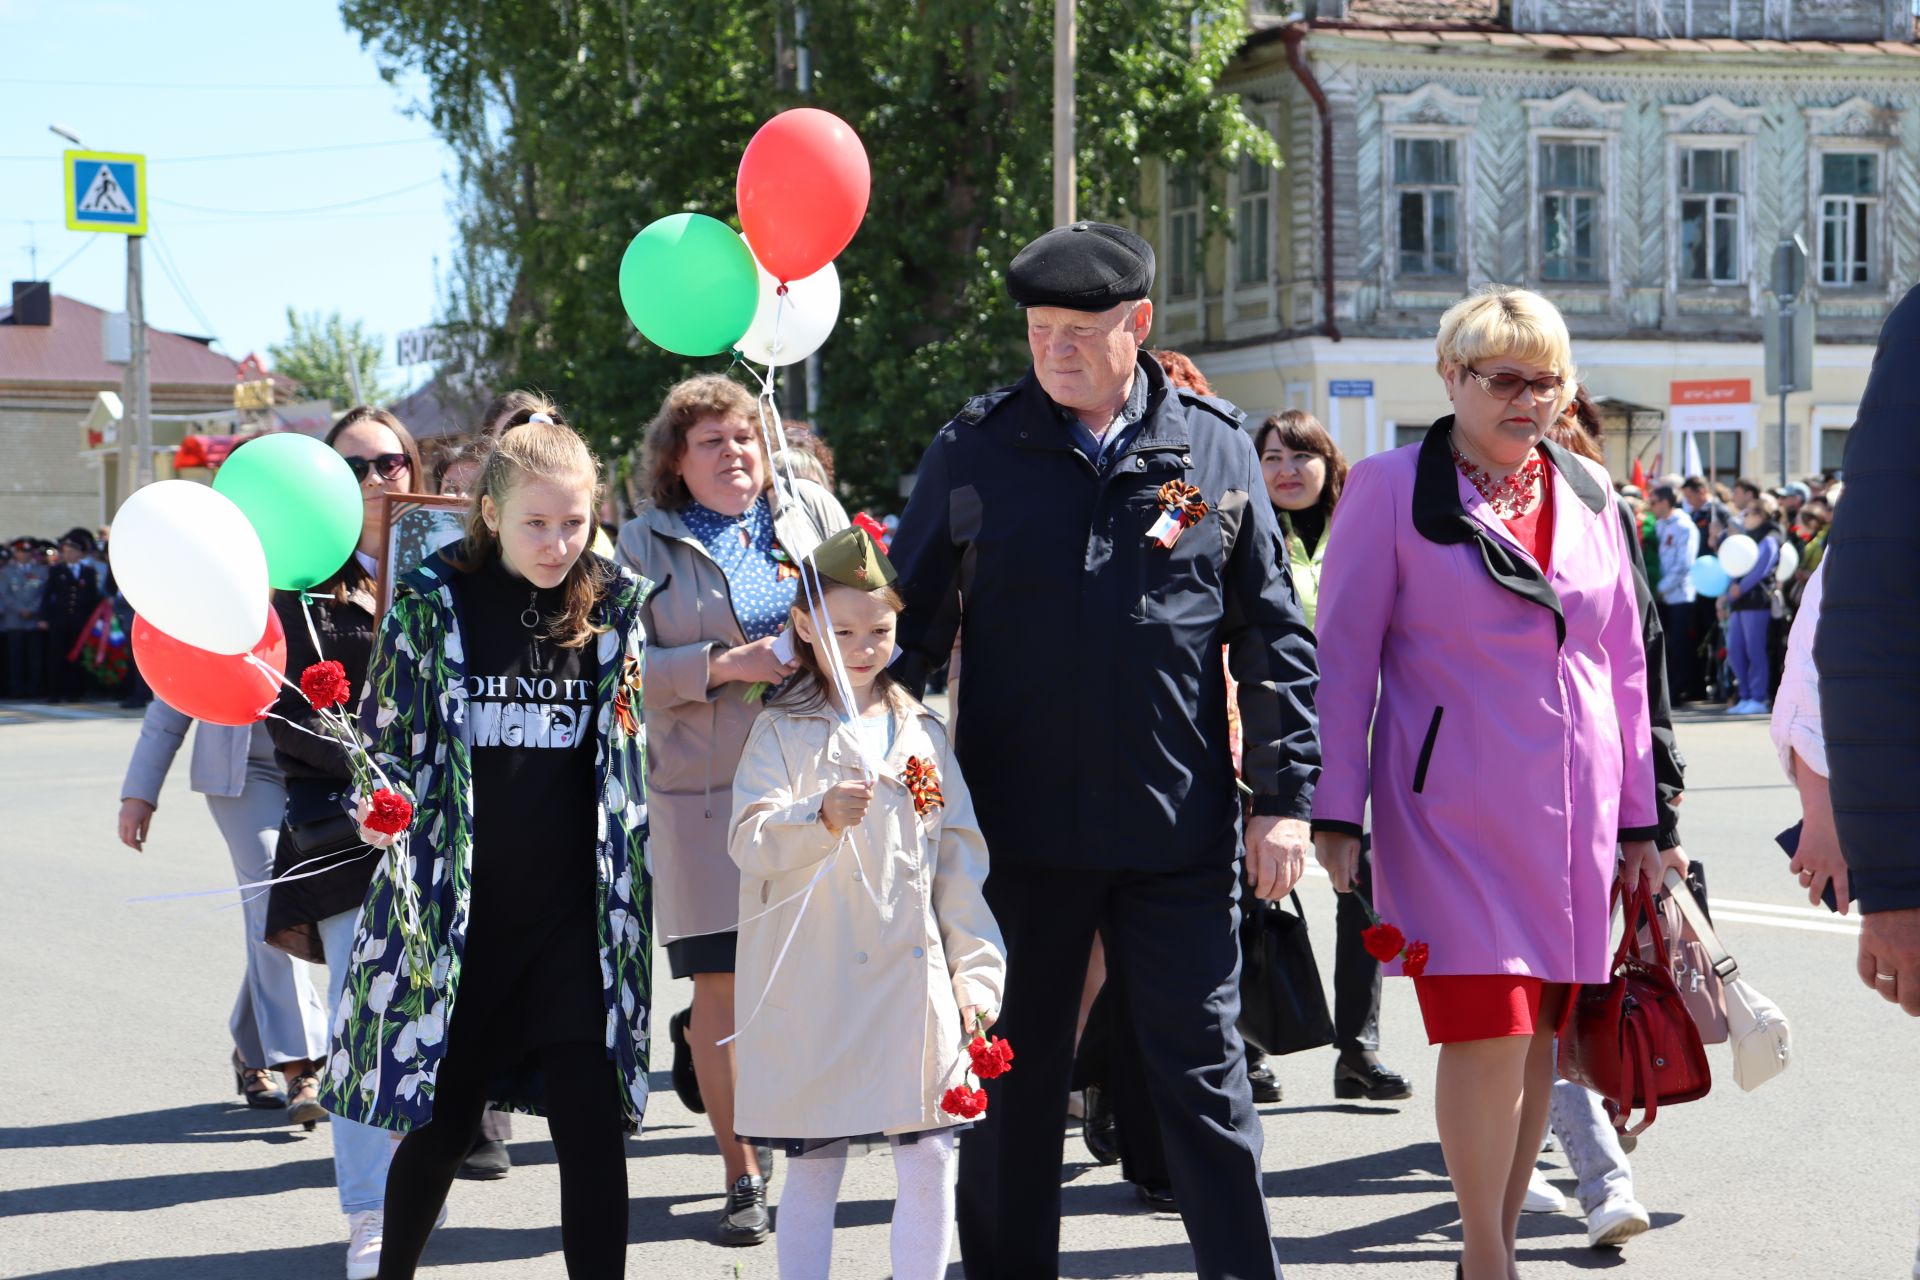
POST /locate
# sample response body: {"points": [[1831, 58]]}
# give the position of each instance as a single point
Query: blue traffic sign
{"points": [[106, 191], [1351, 388]]}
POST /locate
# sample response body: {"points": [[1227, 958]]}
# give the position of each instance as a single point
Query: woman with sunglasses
{"points": [[313, 917], [1483, 682]]}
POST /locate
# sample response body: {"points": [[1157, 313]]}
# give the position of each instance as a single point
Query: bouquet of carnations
{"points": [[991, 1059]]}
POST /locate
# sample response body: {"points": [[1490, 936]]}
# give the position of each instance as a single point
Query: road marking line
{"points": [[1811, 926], [1772, 908]]}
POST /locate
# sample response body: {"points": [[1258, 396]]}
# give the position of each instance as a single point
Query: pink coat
{"points": [[1510, 746]]}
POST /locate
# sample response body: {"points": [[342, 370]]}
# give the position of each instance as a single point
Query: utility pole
{"points": [[1063, 63], [142, 372], [1789, 344]]}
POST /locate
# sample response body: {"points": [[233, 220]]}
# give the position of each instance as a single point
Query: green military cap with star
{"points": [[853, 559]]}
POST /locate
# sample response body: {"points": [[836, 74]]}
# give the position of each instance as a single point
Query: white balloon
{"points": [[812, 308], [1789, 563], [190, 563], [1738, 555]]}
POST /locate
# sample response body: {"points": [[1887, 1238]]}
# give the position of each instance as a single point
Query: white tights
{"points": [[925, 1172]]}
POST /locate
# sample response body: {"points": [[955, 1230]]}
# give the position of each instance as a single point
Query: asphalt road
{"points": [[123, 1154]]}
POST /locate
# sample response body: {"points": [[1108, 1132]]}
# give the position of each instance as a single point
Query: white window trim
{"points": [[1181, 315], [1744, 145], [1825, 418], [1880, 252], [1462, 138], [1239, 292], [1609, 278]]}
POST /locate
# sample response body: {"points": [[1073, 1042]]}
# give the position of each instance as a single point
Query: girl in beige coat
{"points": [[867, 954]]}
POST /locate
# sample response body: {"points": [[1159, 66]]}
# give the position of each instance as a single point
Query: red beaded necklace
{"points": [[1509, 497]]}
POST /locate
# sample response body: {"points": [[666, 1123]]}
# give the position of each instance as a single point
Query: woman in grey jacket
{"points": [[279, 1021], [722, 546]]}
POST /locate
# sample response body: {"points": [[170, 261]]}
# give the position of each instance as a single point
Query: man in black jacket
{"points": [[67, 603], [1102, 535], [1868, 654]]}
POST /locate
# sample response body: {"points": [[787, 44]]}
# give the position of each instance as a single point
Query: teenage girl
{"points": [[867, 956], [504, 695]]}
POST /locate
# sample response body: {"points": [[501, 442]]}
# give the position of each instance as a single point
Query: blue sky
{"points": [[247, 236]]}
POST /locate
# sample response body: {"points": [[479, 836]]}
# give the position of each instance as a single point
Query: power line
{"points": [[91, 241], [165, 256], [250, 155], [285, 213], [182, 84]]}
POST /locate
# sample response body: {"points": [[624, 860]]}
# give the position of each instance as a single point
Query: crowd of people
{"points": [[66, 625], [1439, 668]]}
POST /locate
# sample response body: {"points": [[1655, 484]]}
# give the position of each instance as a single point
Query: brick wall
{"points": [[46, 488]]}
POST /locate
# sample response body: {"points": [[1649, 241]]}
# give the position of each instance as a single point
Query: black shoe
{"points": [[745, 1220], [1369, 1080], [685, 1082], [1157, 1196], [487, 1162], [1099, 1128], [1266, 1088]]}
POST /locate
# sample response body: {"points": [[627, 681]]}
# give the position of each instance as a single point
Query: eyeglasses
{"points": [[388, 465], [1506, 386]]}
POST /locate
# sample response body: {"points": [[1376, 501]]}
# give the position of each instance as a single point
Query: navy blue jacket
{"points": [[1867, 649], [1092, 716]]}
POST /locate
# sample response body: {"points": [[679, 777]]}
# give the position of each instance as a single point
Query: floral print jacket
{"points": [[390, 1030]]}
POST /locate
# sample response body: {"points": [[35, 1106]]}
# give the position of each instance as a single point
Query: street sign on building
{"points": [[423, 346], [1351, 388], [106, 191]]}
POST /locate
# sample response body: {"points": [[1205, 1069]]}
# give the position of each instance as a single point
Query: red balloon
{"points": [[803, 189], [220, 688]]}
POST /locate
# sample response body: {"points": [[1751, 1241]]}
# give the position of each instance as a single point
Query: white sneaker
{"points": [[363, 1249], [1542, 1196], [1616, 1222]]}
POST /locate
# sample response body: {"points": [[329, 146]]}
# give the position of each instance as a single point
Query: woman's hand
{"points": [[135, 817], [845, 805], [975, 1020], [1818, 859], [1733, 591], [748, 664], [1339, 855], [1639, 860]]}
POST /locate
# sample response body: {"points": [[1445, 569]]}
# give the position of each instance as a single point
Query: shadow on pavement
{"points": [[164, 1191], [203, 1122]]}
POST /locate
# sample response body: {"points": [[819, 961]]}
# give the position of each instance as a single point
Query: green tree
{"points": [[317, 352], [577, 122]]}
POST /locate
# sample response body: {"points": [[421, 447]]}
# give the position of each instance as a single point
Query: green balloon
{"points": [[301, 498], [689, 284]]}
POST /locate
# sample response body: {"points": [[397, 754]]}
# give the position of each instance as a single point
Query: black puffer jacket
{"points": [[1868, 647]]}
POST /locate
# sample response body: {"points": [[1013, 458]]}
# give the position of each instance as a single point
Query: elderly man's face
{"points": [[1084, 358]]}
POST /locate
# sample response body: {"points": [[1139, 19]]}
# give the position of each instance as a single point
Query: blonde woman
{"points": [[1483, 682]]}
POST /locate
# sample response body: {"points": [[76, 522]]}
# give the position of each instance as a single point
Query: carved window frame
{"points": [[1712, 123], [1576, 116], [1267, 286], [1182, 313], [1431, 111], [1854, 127]]}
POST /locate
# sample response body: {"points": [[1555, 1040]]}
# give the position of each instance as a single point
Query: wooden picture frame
{"points": [[417, 525]]}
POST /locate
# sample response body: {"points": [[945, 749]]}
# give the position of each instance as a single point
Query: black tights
{"points": [[588, 1127]]}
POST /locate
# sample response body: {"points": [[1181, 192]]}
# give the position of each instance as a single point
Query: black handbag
{"points": [[318, 820], [1283, 1008]]}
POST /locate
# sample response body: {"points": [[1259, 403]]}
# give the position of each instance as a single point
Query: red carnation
{"points": [[325, 684], [990, 1061], [389, 812], [1416, 960], [1382, 941], [964, 1102]]}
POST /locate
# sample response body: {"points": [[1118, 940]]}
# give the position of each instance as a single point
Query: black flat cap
{"points": [[1085, 266]]}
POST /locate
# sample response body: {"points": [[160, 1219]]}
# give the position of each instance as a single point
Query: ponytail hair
{"points": [[547, 449]]}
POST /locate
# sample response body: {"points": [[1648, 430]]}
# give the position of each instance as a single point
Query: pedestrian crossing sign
{"points": [[106, 191]]}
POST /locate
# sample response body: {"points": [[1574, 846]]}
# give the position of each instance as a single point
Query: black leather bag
{"points": [[1283, 1007], [318, 820]]}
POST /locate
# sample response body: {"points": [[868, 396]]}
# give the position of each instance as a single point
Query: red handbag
{"points": [[1632, 1040]]}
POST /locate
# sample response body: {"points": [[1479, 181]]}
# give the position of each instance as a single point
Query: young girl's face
{"points": [[543, 527], [862, 632]]}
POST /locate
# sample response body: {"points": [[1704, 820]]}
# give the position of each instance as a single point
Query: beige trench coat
{"points": [[859, 1031], [695, 733]]}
